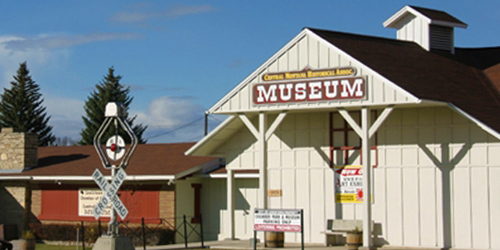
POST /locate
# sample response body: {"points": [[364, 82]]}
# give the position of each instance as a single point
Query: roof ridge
{"points": [[434, 14], [361, 35]]}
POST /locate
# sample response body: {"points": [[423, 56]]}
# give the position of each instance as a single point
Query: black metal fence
{"points": [[163, 232]]}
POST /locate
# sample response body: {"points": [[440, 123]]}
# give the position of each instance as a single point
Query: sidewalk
{"points": [[242, 244], [246, 245]]}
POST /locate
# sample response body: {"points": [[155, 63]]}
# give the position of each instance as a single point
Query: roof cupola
{"points": [[431, 29]]}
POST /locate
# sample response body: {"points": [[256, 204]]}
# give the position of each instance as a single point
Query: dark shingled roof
{"points": [[481, 58], [148, 159], [437, 15], [426, 75]]}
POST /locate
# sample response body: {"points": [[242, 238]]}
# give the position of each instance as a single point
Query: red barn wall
{"points": [[61, 204]]}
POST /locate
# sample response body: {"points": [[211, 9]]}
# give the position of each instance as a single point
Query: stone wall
{"points": [[36, 202], [12, 208], [17, 150], [167, 203]]}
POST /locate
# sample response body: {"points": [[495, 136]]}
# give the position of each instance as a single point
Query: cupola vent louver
{"points": [[441, 38], [433, 30]]}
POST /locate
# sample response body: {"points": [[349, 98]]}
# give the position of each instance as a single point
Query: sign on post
{"points": [[278, 220], [110, 190]]}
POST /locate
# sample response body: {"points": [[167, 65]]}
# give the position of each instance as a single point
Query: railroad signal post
{"points": [[116, 150]]}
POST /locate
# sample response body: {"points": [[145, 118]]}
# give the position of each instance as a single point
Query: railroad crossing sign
{"points": [[115, 147], [110, 196], [115, 150]]}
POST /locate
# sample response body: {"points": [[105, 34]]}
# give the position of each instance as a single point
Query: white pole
{"points": [[262, 163], [367, 194], [230, 203], [112, 228], [263, 160]]}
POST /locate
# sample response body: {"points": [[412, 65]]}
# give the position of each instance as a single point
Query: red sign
{"points": [[276, 227], [350, 88]]}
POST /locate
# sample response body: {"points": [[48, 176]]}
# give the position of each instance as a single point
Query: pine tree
{"points": [[21, 107], [108, 90]]}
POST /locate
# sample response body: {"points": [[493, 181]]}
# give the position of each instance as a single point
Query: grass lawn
{"points": [[54, 247], [41, 246]]}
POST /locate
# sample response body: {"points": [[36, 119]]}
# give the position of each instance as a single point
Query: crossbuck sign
{"points": [[110, 190]]}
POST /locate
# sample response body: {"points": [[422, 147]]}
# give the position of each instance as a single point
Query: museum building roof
{"points": [[454, 78]]}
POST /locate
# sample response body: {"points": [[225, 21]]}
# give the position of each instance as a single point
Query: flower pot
{"points": [[353, 241], [27, 244]]}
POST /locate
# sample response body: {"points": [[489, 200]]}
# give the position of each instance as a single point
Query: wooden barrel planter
{"points": [[353, 240], [275, 239]]}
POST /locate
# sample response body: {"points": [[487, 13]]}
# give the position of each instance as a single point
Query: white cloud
{"points": [[50, 42], [169, 112], [10, 59], [145, 15], [44, 50], [65, 116], [172, 119]]}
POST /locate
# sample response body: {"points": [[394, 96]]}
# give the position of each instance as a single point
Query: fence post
{"points": [[201, 231], [83, 236], [185, 233], [143, 234], [99, 227]]}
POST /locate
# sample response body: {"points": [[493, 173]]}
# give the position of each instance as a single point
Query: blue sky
{"points": [[181, 57]]}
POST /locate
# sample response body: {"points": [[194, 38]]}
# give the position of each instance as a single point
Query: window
{"points": [[345, 144]]}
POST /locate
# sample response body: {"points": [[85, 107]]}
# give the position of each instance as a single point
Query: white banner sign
{"points": [[88, 199], [277, 220]]}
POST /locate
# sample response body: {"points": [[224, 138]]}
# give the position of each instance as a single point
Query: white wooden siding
{"points": [[214, 206], [414, 29], [412, 143], [310, 51], [418, 149]]}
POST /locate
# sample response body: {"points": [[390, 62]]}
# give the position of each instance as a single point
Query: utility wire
{"points": [[175, 129]]}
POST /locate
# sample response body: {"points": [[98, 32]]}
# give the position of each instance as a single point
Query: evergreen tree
{"points": [[108, 90], [21, 107]]}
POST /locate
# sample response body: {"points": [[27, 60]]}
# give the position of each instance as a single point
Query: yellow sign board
{"points": [[274, 193]]}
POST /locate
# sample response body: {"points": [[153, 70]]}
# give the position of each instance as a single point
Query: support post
{"points": [[262, 160], [367, 194], [254, 240], [83, 236], [201, 232], [143, 234], [185, 231], [27, 206], [302, 229], [230, 203], [112, 225], [365, 132]]}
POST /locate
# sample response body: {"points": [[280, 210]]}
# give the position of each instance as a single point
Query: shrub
{"points": [[68, 232]]}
